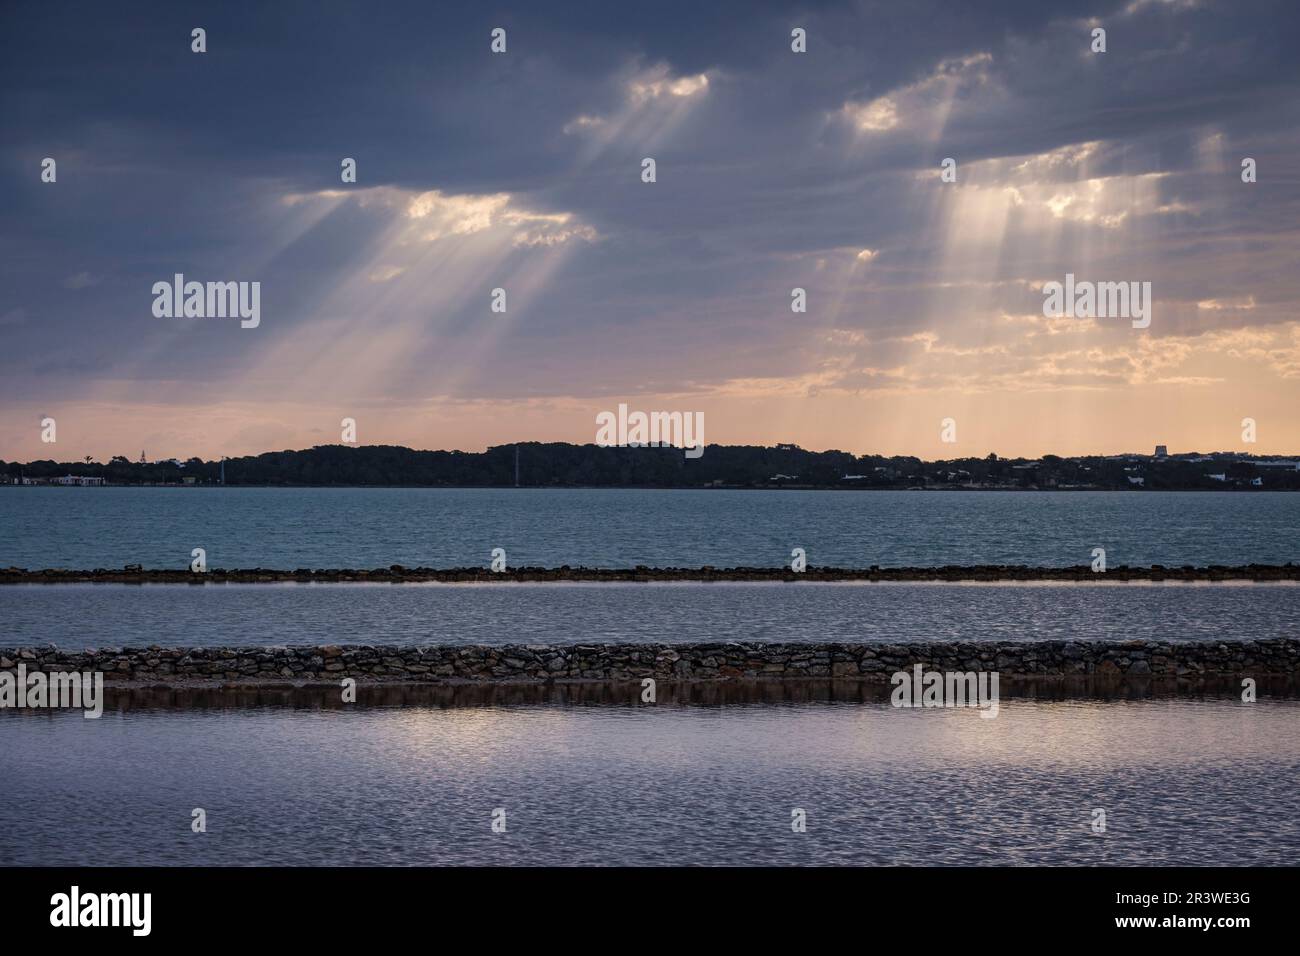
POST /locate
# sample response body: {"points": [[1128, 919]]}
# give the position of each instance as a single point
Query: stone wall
{"points": [[685, 662], [398, 574]]}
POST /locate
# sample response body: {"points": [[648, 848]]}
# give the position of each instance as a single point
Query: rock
{"points": [[683, 662]]}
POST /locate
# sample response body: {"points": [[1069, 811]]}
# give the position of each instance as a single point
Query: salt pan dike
{"points": [[904, 665], [76, 616], [498, 573]]}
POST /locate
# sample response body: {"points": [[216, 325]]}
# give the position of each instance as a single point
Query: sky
{"points": [[775, 170]]}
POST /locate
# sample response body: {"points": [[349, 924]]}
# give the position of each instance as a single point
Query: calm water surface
{"points": [[115, 615], [1183, 782], [1194, 781], [375, 527]]}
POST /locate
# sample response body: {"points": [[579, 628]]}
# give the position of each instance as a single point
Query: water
{"points": [[75, 616], [375, 527], [592, 780], [1182, 782]]}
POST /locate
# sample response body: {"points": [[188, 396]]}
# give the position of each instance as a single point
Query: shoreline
{"points": [[761, 488], [399, 574], [686, 663]]}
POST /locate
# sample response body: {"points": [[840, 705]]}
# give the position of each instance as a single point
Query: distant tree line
{"points": [[564, 465]]}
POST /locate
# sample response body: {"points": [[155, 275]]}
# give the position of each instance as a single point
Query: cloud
{"points": [[580, 123], [82, 280], [776, 170], [658, 82], [1219, 305], [653, 101], [433, 215], [924, 105], [454, 215], [877, 116]]}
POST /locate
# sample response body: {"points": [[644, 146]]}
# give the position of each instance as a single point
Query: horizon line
{"points": [[779, 446]]}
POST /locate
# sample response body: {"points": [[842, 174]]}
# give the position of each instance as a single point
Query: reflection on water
{"points": [[326, 696], [1194, 781]]}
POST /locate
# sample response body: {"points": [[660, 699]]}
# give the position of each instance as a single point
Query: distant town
{"points": [[537, 464]]}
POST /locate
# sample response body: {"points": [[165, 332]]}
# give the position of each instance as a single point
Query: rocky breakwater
{"points": [[515, 663], [400, 574]]}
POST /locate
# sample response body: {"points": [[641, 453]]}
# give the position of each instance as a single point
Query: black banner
{"points": [[957, 906]]}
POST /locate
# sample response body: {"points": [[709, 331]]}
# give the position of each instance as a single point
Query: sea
{"points": [[1196, 777], [289, 528]]}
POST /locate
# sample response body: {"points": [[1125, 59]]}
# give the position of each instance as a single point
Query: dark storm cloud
{"points": [[174, 162]]}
